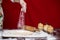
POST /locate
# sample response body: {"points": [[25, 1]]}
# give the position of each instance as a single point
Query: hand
{"points": [[23, 4], [23, 9]]}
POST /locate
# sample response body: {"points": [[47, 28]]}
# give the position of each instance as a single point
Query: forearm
{"points": [[24, 6], [23, 3]]}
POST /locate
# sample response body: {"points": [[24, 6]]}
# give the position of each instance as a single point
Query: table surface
{"points": [[12, 33], [23, 33]]}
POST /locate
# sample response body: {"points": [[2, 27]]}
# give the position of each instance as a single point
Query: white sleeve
{"points": [[23, 4], [12, 0]]}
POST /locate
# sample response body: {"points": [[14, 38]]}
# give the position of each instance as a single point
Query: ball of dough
{"points": [[50, 29], [40, 26], [46, 27]]}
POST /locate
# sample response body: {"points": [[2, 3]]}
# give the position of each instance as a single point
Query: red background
{"points": [[45, 11]]}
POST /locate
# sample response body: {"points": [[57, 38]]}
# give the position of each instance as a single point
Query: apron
{"points": [[11, 14]]}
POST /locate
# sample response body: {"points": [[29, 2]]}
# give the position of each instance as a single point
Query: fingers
{"points": [[46, 28], [23, 9], [40, 26]]}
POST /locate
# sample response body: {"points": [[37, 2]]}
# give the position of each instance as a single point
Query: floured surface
{"points": [[23, 33], [16, 33], [26, 34]]}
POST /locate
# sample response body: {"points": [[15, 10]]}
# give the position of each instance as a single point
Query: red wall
{"points": [[45, 11]]}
